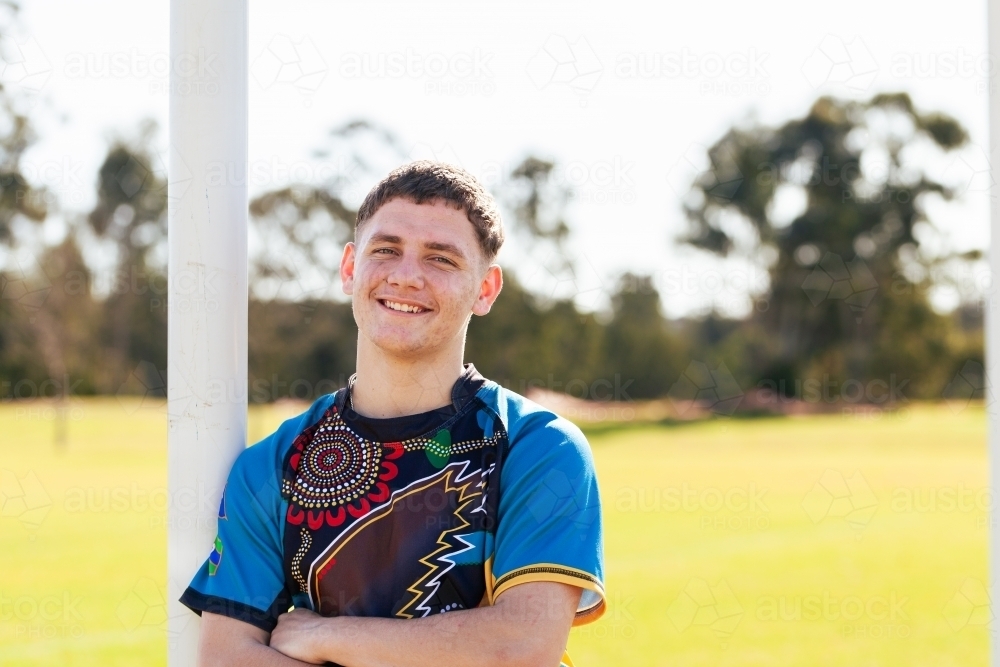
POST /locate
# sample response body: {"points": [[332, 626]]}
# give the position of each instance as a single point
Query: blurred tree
{"points": [[538, 203], [298, 230], [835, 205], [290, 359], [131, 212], [524, 343], [832, 203], [641, 353], [31, 339], [17, 196]]}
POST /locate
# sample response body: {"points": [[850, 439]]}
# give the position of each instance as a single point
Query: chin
{"points": [[394, 343]]}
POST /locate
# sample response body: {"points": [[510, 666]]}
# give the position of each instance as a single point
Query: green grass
{"points": [[701, 581]]}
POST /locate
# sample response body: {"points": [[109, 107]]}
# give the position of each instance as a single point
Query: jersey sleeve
{"points": [[549, 518], [243, 576]]}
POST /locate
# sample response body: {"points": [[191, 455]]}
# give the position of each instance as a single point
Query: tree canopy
{"points": [[832, 204]]}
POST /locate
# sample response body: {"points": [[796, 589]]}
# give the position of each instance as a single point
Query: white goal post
{"points": [[992, 342], [207, 298]]}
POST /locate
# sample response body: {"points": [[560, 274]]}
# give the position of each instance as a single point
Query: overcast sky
{"points": [[483, 85]]}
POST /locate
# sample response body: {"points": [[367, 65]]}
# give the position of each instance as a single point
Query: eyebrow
{"points": [[384, 238], [445, 247], [430, 245]]}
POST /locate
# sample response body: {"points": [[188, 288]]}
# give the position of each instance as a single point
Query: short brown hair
{"points": [[426, 181]]}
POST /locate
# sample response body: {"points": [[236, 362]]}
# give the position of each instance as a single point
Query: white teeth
{"points": [[403, 307]]}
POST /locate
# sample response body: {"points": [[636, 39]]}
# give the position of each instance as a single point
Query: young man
{"points": [[423, 515]]}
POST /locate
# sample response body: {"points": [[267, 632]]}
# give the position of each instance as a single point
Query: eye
{"points": [[380, 250], [444, 259]]}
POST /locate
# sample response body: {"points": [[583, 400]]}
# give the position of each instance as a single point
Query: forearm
{"points": [[474, 637], [527, 627], [225, 642], [248, 655]]}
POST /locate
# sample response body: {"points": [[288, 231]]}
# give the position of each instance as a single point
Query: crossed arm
{"points": [[527, 626]]}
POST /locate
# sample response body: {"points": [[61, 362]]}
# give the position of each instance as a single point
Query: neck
{"points": [[390, 386]]}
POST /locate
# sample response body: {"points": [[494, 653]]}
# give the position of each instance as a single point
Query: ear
{"points": [[347, 269], [489, 290]]}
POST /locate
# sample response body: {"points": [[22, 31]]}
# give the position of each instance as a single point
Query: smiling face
{"points": [[416, 274]]}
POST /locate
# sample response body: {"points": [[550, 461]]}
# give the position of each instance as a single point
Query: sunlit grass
{"points": [[716, 532]]}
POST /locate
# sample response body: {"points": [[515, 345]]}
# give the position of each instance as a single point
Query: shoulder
{"points": [[531, 426]]}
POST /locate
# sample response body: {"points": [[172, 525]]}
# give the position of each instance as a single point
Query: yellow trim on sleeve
{"points": [[550, 572], [490, 579]]}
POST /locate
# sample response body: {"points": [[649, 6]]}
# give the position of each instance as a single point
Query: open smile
{"points": [[403, 308]]}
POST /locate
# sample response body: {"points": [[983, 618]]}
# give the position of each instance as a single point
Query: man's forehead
{"points": [[403, 222]]}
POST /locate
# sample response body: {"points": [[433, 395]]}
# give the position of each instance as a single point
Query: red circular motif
{"points": [[336, 467]]}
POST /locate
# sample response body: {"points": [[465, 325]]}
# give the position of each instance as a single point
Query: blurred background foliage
{"points": [[830, 205]]}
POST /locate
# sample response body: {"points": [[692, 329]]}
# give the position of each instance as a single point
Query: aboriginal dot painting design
{"points": [[336, 467], [359, 509]]}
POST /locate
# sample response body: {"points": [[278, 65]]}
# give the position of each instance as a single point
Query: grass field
{"points": [[827, 540]]}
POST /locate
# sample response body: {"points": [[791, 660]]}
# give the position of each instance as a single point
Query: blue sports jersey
{"points": [[325, 514]]}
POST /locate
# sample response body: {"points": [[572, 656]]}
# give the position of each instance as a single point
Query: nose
{"points": [[406, 272]]}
